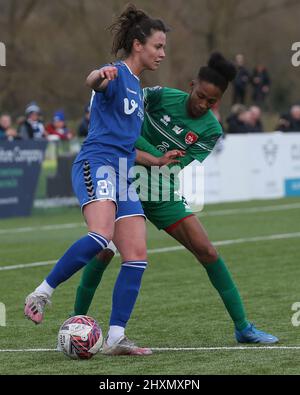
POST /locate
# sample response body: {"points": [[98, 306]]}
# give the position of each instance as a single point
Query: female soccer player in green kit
{"points": [[177, 120]]}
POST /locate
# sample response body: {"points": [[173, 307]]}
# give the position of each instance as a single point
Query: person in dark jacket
{"points": [[84, 124], [239, 120], [32, 127], [256, 124], [295, 118], [290, 122], [261, 82], [241, 81]]}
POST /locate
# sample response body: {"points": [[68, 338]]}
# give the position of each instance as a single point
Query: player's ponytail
{"points": [[218, 71], [133, 24]]}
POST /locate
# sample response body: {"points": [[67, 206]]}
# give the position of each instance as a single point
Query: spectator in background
{"points": [[241, 81], [283, 124], [256, 125], [290, 122], [32, 127], [295, 118], [261, 82], [58, 127], [7, 132], [239, 119], [84, 124]]}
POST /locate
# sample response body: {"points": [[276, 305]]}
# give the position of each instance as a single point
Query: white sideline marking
{"points": [[45, 227], [34, 264], [234, 348], [175, 248], [31, 350], [280, 207], [215, 213]]}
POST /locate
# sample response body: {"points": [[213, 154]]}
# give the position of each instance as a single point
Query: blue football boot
{"points": [[252, 335]]}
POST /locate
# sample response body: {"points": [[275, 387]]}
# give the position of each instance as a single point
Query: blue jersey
{"points": [[115, 121]]}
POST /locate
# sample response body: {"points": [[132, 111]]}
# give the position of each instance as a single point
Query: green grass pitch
{"points": [[177, 306]]}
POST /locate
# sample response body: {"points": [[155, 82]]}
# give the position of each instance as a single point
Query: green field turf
{"points": [[177, 306]]}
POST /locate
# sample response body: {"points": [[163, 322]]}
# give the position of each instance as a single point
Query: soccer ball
{"points": [[80, 337]]}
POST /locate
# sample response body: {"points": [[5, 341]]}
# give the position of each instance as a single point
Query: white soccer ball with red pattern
{"points": [[80, 337]]}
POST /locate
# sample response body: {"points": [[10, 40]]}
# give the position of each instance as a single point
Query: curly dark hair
{"points": [[219, 71]]}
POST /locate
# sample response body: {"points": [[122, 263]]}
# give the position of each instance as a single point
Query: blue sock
{"points": [[77, 256], [126, 291]]}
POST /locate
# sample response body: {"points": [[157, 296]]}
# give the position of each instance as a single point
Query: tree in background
{"points": [[51, 46]]}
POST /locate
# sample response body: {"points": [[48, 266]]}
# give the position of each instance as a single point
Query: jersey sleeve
{"points": [[152, 96], [143, 145]]}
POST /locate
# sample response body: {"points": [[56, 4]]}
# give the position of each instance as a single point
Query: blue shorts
{"points": [[99, 181]]}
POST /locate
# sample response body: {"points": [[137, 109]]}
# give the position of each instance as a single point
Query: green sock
{"points": [[222, 281], [89, 282]]}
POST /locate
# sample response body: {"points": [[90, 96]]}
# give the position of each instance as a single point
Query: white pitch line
{"points": [[25, 265], [234, 348], [227, 348], [45, 227], [215, 213], [174, 248], [280, 207], [31, 350]]}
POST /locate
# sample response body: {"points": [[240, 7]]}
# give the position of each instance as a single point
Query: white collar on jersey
{"points": [[122, 61]]}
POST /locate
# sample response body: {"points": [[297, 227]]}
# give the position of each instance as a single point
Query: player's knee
{"points": [[106, 256], [138, 253], [207, 254], [105, 232]]}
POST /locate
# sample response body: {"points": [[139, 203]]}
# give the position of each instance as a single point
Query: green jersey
{"points": [[167, 126]]}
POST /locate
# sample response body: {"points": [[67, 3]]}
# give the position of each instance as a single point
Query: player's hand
{"points": [[108, 72], [171, 157]]}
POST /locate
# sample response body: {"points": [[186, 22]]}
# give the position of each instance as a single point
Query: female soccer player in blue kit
{"points": [[115, 124]]}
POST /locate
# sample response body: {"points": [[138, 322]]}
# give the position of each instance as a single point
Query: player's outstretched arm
{"points": [[146, 159], [99, 79]]}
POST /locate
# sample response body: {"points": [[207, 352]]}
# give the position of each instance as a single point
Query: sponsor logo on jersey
{"points": [[165, 120], [163, 147], [130, 110], [177, 129], [190, 137]]}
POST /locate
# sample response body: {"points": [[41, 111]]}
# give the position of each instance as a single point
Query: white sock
{"points": [[114, 334], [45, 288]]}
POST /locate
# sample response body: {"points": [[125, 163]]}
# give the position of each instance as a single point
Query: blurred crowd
{"points": [[258, 81], [244, 119], [32, 126], [248, 86], [241, 119], [254, 87]]}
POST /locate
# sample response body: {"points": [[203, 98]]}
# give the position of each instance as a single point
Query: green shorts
{"points": [[165, 214]]}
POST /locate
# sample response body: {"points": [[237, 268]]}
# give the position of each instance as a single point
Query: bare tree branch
{"points": [[265, 9], [29, 7]]}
